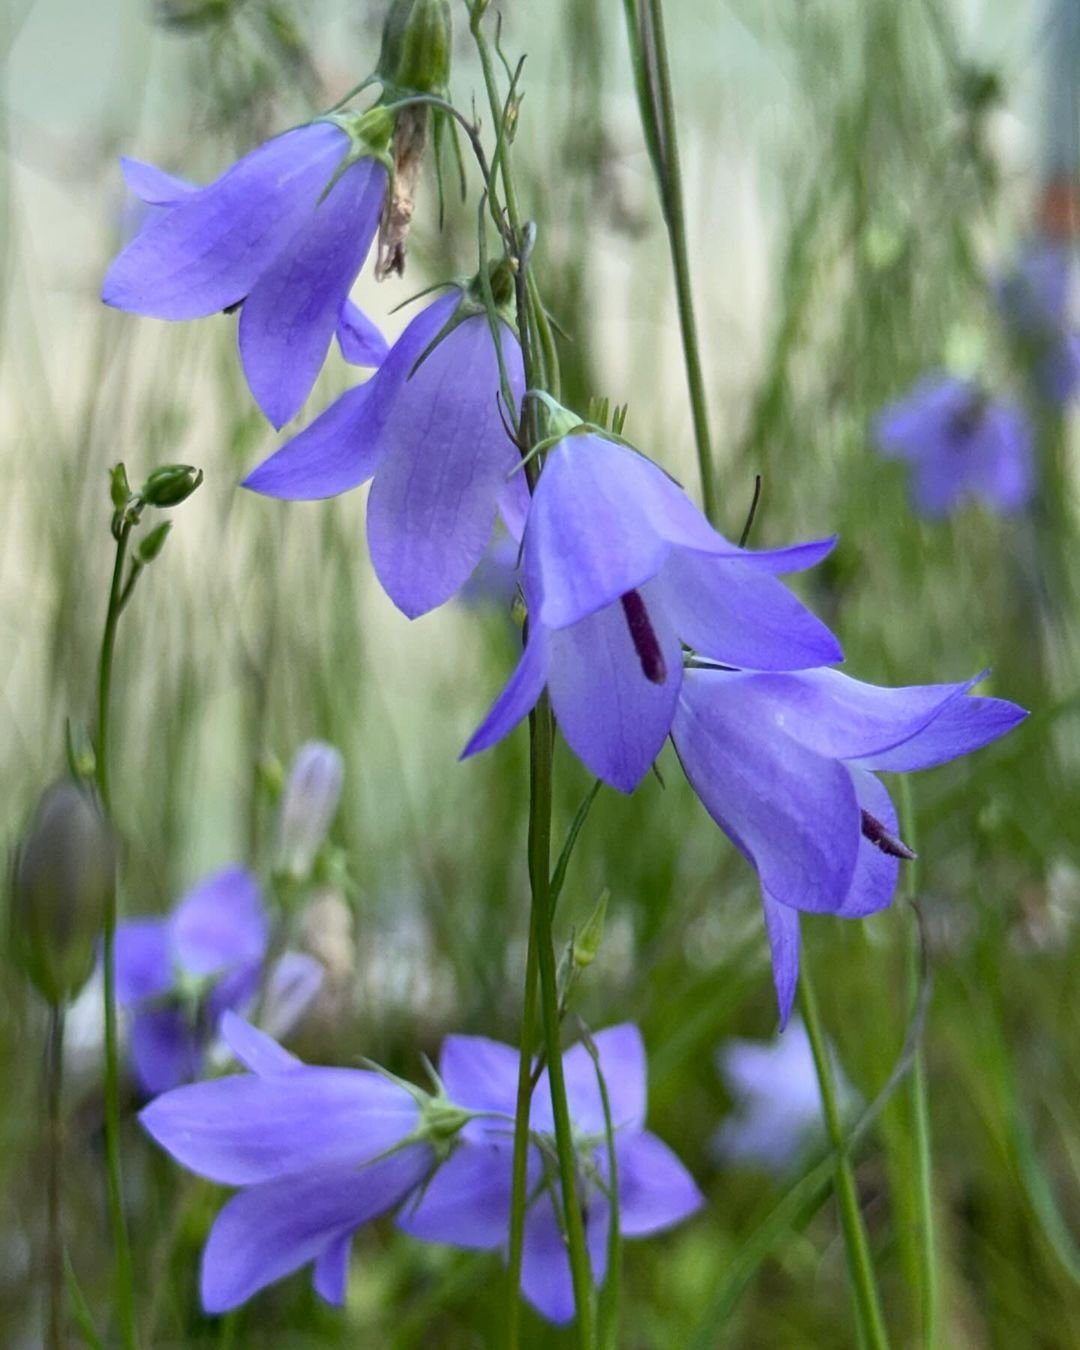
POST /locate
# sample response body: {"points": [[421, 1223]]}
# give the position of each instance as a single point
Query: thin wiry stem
{"points": [[54, 1080], [125, 1292]]}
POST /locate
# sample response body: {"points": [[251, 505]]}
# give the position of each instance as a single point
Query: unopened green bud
{"points": [[119, 488], [171, 485], [587, 942], [153, 543], [64, 878], [415, 54], [501, 275]]}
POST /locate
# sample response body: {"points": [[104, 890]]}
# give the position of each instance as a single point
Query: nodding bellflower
{"points": [[960, 443], [785, 764], [1034, 301], [427, 427], [176, 975], [282, 234], [467, 1202], [620, 569], [307, 808], [316, 1153], [778, 1117]]}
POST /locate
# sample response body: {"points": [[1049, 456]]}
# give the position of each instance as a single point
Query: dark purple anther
{"points": [[880, 837], [643, 638]]}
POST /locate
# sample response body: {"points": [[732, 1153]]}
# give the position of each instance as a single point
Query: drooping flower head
{"points": [[316, 1153], [283, 235], [960, 443], [778, 1116], [785, 764], [178, 974], [467, 1202], [1034, 301], [427, 427], [620, 569]]}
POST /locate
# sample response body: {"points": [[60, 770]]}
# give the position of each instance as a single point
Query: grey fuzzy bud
{"points": [[65, 875]]}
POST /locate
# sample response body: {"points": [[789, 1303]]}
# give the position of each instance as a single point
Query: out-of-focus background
{"points": [[858, 172]]}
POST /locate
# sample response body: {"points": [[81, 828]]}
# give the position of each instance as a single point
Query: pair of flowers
{"points": [[318, 1152]]}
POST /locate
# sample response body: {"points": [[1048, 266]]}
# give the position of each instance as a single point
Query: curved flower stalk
{"points": [[427, 427], [785, 765], [778, 1114], [1034, 301], [620, 569], [960, 443], [282, 234], [467, 1202], [177, 975]]}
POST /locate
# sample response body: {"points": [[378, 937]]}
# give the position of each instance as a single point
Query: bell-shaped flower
{"points": [[307, 808], [467, 1202], [282, 234], [316, 1153], [620, 569], [785, 763], [778, 1116], [427, 427], [1034, 301], [176, 975], [960, 443]]}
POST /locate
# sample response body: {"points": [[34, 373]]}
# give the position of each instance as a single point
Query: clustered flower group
{"points": [[644, 623]]}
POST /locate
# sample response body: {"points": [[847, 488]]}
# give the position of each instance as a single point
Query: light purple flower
{"points": [[619, 570], [269, 236], [317, 1152], [777, 1116], [785, 763], [432, 437], [308, 806], [1034, 300], [960, 443], [176, 975], [467, 1202]]}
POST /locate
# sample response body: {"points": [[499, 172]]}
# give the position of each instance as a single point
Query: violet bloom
{"points": [[1034, 301], [277, 234], [619, 570], [785, 766], [308, 806], [777, 1117], [177, 974], [316, 1153], [467, 1201], [427, 426], [960, 443]]}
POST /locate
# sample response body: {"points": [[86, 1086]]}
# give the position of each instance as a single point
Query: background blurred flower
{"points": [[777, 1117], [176, 975], [1034, 300], [960, 443], [308, 806]]}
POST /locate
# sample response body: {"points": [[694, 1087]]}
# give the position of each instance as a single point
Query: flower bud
{"points": [[65, 873], [153, 543], [119, 488], [587, 942], [171, 485], [307, 807], [415, 54]]}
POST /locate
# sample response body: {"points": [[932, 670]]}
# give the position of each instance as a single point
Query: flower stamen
{"points": [[642, 635], [880, 837]]}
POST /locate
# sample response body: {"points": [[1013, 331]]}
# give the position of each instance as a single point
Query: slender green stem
{"points": [[518, 1196], [926, 1241], [652, 75], [125, 1293], [541, 730], [54, 1078], [860, 1266]]}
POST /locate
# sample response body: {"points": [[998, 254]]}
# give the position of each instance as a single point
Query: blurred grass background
{"points": [[856, 170]]}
